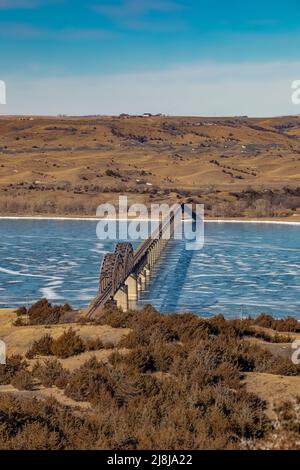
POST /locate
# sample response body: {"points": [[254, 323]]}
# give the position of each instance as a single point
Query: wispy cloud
{"points": [[23, 4], [154, 26], [19, 30], [84, 34], [136, 7], [137, 14], [27, 31], [257, 89]]}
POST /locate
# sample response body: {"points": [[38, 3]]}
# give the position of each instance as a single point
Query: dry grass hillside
{"points": [[236, 166], [18, 339]]}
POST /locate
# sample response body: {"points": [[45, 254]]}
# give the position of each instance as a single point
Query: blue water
{"points": [[242, 269]]}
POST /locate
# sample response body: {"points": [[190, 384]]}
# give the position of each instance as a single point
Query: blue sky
{"points": [[172, 56]]}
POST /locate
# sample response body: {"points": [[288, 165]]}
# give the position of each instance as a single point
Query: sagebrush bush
{"points": [[43, 425], [14, 364], [94, 344], [42, 347], [288, 324], [21, 311], [43, 313], [68, 344], [18, 321], [176, 385], [89, 381], [22, 380], [50, 373]]}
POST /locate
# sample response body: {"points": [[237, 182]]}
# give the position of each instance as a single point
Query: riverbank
{"points": [[275, 220], [67, 167]]}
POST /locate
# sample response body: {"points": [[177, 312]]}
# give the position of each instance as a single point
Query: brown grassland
{"points": [[142, 380], [237, 167]]}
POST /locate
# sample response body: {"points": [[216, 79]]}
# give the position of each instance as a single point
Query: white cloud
{"points": [[136, 14], [195, 89]]}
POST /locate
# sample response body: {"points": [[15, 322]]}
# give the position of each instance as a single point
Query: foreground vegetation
{"points": [[174, 382]]}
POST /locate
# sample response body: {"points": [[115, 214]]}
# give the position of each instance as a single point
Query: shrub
{"points": [[109, 345], [141, 359], [188, 327], [42, 347], [90, 381], [264, 320], [68, 344], [288, 324], [113, 173], [115, 317], [179, 387], [43, 425], [50, 373], [22, 380], [43, 313], [21, 311], [94, 344], [18, 322], [285, 366], [14, 364]]}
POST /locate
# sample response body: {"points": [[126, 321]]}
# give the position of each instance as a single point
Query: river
{"points": [[244, 268]]}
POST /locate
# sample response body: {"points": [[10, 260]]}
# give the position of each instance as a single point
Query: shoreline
{"points": [[273, 221]]}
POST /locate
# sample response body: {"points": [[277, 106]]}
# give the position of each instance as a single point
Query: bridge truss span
{"points": [[124, 272]]}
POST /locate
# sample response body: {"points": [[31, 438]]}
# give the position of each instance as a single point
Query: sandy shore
{"points": [[286, 220]]}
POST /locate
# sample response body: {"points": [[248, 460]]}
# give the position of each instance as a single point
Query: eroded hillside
{"points": [[236, 166]]}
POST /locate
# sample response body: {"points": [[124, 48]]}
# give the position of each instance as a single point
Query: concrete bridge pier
{"points": [[147, 270], [142, 277], [162, 244], [121, 297], [158, 248], [132, 287], [151, 257], [156, 254]]}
